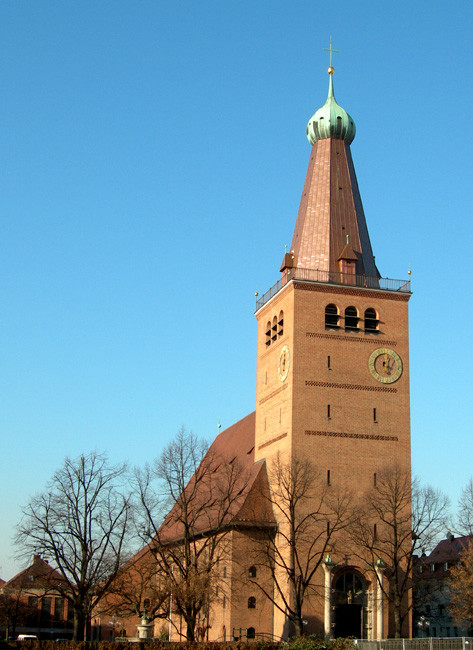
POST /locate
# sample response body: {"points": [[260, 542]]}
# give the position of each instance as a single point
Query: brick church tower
{"points": [[332, 379], [332, 390]]}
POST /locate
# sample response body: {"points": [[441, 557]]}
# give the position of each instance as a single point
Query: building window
{"points": [[281, 323], [328, 363], [251, 602], [374, 415], [432, 567], [328, 412], [32, 616], [445, 566], [374, 479], [328, 477], [250, 633], [332, 317], [58, 610], [371, 320], [351, 318], [224, 571], [274, 328], [252, 572], [268, 333], [45, 617]]}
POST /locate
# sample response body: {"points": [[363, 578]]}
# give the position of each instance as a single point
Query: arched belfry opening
{"points": [[350, 599]]}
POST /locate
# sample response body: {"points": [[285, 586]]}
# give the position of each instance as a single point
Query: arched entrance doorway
{"points": [[349, 600]]}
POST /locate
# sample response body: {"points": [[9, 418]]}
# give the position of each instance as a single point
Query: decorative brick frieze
{"points": [[358, 436], [346, 289], [352, 339], [329, 384]]}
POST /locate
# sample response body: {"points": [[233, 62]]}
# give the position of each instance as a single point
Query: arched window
{"points": [[332, 317], [351, 318], [268, 333], [252, 572], [274, 328], [352, 585], [251, 602], [371, 320], [281, 323], [250, 633]]}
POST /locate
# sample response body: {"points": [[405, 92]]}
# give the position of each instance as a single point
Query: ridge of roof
{"points": [[40, 571], [448, 550]]}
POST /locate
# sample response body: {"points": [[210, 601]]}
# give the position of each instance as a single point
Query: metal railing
{"points": [[427, 643], [334, 277]]}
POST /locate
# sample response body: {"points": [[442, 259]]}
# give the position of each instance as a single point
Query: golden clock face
{"points": [[385, 365], [283, 366]]}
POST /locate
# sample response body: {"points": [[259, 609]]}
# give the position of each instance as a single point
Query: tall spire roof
{"points": [[331, 208]]}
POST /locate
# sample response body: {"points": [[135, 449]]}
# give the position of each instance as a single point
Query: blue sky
{"points": [[153, 157]]}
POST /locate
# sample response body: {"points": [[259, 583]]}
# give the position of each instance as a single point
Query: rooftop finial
{"points": [[331, 120], [330, 49]]}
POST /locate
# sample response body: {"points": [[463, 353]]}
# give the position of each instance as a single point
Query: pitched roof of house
{"points": [[232, 458], [448, 550], [39, 575]]}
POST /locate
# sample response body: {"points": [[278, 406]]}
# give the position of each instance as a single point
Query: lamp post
{"points": [[170, 607], [328, 566], [379, 569], [423, 624]]}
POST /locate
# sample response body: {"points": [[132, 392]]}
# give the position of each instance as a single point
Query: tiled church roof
{"points": [[231, 454]]}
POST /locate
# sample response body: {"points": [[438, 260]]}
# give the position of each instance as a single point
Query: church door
{"points": [[349, 600], [348, 621]]}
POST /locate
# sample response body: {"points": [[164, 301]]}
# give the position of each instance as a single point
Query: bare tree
{"points": [[138, 590], [398, 518], [80, 525], [310, 515], [199, 490], [460, 586], [465, 509], [15, 610]]}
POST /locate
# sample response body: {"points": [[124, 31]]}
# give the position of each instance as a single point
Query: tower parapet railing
{"points": [[333, 277]]}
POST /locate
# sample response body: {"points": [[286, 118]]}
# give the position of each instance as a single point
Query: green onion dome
{"points": [[331, 121]]}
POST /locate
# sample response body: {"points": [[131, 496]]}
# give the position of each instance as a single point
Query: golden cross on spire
{"points": [[331, 50]]}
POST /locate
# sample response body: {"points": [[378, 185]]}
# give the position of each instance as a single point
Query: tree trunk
{"points": [[298, 626], [80, 625], [190, 627], [397, 618]]}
